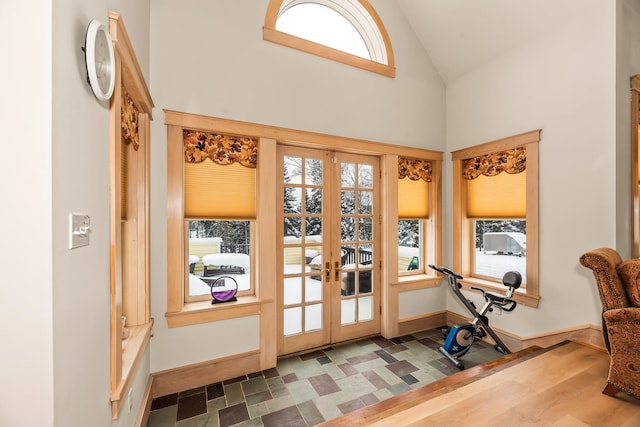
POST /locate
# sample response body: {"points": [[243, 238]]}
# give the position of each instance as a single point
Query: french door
{"points": [[328, 263]]}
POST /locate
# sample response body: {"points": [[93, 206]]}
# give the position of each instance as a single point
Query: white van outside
{"points": [[505, 243]]}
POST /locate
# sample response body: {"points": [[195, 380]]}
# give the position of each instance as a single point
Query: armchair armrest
{"points": [[621, 325], [627, 315]]}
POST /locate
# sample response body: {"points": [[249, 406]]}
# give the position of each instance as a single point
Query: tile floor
{"points": [[308, 389]]}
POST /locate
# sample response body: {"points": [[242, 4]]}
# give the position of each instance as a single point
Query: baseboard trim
{"points": [[413, 324], [590, 335], [200, 374]]}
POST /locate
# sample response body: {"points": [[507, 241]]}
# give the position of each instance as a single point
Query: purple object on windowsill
{"points": [[224, 295], [220, 290]]}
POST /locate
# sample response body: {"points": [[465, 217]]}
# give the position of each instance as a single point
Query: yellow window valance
{"points": [[224, 187], [414, 169], [129, 122], [221, 149], [510, 161]]}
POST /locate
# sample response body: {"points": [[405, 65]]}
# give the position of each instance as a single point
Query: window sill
{"points": [[132, 350], [193, 313], [418, 281], [520, 296]]}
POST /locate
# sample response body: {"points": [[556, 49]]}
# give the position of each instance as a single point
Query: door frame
{"points": [[331, 275]]}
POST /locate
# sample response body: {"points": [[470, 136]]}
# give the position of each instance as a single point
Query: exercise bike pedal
{"points": [[480, 333]]}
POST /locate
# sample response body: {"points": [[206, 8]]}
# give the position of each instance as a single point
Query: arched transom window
{"points": [[348, 31]]}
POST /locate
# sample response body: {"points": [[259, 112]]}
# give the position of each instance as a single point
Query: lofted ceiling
{"points": [[462, 35]]}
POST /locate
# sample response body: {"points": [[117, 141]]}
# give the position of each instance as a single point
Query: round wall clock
{"points": [[100, 60]]}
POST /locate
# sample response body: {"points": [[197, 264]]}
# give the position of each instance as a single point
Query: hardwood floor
{"points": [[558, 386]]}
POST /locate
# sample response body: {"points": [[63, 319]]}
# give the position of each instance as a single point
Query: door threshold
{"points": [[324, 347]]}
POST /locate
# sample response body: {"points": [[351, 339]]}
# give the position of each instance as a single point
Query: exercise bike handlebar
{"points": [[446, 271]]}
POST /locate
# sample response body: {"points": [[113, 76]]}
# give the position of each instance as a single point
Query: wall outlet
{"points": [[130, 400]]}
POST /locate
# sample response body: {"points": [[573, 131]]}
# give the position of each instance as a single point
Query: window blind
{"points": [[219, 191], [413, 199], [499, 196], [414, 176]]}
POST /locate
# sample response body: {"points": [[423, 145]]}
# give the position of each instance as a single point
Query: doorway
{"points": [[328, 267]]}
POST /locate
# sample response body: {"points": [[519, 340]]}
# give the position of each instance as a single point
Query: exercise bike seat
{"points": [[502, 301], [512, 279], [498, 299]]}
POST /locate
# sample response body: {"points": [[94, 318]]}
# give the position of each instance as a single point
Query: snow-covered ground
{"points": [[494, 265]]}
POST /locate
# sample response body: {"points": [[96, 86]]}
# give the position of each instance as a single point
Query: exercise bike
{"points": [[459, 338]]}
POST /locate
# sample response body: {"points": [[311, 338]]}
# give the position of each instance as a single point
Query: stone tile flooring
{"points": [[308, 389]]}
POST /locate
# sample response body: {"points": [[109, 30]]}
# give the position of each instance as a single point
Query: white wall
{"points": [[418, 302], [26, 359], [209, 58], [80, 183], [55, 301], [563, 83]]}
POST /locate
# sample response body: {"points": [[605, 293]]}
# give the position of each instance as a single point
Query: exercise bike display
{"points": [[460, 337]]}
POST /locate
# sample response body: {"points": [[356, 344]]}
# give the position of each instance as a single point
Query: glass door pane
{"points": [[304, 302], [357, 215]]}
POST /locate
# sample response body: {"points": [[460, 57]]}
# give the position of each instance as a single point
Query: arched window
{"points": [[347, 31]]}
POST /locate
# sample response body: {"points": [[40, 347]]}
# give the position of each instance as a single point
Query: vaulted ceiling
{"points": [[462, 35]]}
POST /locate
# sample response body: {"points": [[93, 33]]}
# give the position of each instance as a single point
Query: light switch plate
{"points": [[79, 230]]}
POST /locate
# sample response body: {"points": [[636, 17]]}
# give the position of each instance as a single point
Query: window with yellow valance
{"points": [[219, 175], [496, 184], [495, 190]]}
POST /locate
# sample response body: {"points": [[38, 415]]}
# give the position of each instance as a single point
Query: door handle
{"points": [[327, 271], [337, 270]]}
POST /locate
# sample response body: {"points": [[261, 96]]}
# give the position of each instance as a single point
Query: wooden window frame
{"points": [[463, 227], [272, 35], [129, 263], [429, 245], [432, 226], [181, 312]]}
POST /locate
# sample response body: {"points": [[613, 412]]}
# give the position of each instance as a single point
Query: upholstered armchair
{"points": [[619, 287]]}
